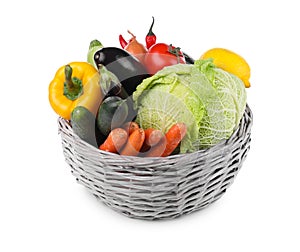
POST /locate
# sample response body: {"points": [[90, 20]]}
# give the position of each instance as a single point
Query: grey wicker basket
{"points": [[157, 188]]}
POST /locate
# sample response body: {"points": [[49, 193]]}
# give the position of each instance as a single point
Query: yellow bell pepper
{"points": [[76, 84]]}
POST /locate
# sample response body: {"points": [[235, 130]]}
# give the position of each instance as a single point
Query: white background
{"points": [[42, 206]]}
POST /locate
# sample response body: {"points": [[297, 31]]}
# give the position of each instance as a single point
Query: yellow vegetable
{"points": [[230, 62], [76, 84]]}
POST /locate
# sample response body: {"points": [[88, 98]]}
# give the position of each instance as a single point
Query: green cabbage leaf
{"points": [[209, 100]]}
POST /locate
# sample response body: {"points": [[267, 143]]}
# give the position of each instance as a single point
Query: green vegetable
{"points": [[95, 45], [112, 114], [209, 100], [83, 125], [230, 89]]}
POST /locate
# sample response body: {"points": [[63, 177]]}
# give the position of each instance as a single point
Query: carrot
{"points": [[174, 135], [115, 140], [152, 136], [134, 143], [130, 127], [158, 149]]}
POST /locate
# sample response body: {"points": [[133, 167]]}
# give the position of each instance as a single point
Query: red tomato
{"points": [[161, 55]]}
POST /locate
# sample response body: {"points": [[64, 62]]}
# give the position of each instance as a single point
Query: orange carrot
{"points": [[174, 135], [115, 140], [152, 136], [130, 127], [134, 143], [158, 149]]}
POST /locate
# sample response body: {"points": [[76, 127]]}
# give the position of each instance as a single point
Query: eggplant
{"points": [[126, 67]]}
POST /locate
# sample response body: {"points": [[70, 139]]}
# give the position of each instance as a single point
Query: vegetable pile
{"points": [[152, 100]]}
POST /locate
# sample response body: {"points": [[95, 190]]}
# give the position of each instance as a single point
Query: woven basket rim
{"points": [[247, 111]]}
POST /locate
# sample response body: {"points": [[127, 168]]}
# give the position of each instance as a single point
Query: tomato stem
{"points": [[175, 51]]}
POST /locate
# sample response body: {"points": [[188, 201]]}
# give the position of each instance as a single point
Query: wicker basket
{"points": [[157, 188]]}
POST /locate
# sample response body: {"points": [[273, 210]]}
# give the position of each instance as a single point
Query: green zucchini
{"points": [[84, 125], [112, 113]]}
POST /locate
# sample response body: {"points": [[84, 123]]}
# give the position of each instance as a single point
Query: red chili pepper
{"points": [[123, 42], [150, 38]]}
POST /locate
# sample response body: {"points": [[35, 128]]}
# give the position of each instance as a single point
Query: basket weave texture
{"points": [[157, 188]]}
